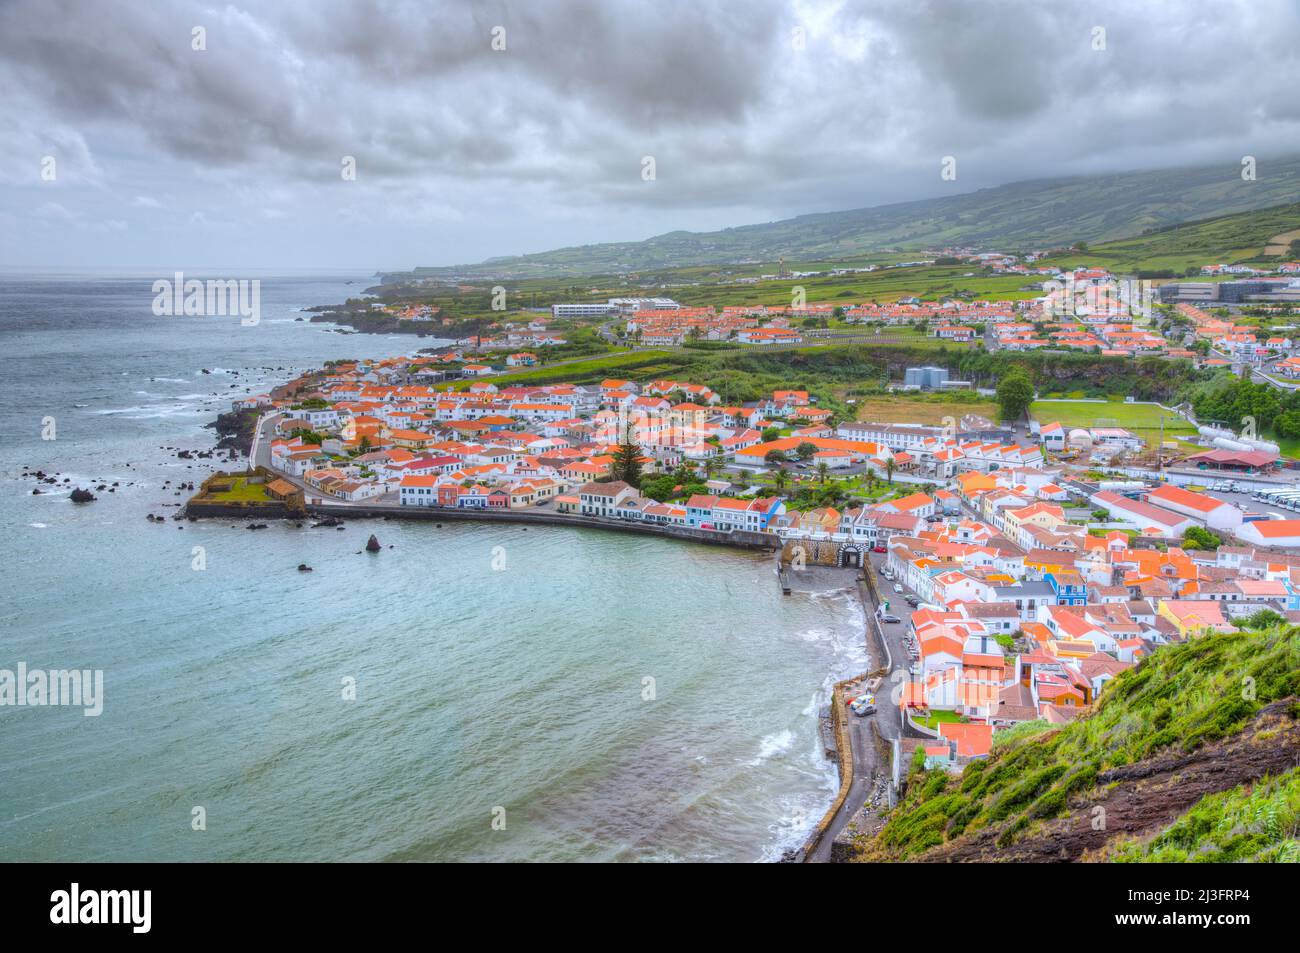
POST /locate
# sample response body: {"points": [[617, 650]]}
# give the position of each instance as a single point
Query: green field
{"points": [[242, 491], [1230, 239], [1142, 419], [920, 410]]}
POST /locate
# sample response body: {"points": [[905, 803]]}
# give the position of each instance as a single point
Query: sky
{"points": [[168, 134]]}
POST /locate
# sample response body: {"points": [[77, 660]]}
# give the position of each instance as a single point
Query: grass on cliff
{"points": [[1184, 696], [1255, 824]]}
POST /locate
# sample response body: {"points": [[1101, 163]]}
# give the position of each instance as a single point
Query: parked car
{"points": [[912, 601], [879, 549], [897, 587], [886, 617]]}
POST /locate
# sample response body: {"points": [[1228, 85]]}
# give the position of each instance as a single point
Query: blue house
{"points": [[1069, 587]]}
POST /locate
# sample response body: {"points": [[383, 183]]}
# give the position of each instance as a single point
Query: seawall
{"points": [[741, 539]]}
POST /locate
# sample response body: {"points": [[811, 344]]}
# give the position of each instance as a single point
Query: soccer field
{"points": [[1142, 419]]}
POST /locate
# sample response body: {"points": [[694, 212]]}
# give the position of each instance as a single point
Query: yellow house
{"points": [[1193, 617], [1049, 560], [410, 439], [1043, 515]]}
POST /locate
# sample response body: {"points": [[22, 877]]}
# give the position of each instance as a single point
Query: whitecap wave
{"points": [[774, 744]]}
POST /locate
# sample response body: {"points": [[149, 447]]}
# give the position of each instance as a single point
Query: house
{"points": [[1284, 533], [914, 504], [603, 499], [1152, 520], [419, 490], [1068, 587], [1193, 617], [1210, 512], [967, 741]]}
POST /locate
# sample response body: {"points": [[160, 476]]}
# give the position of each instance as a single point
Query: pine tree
{"points": [[627, 464]]}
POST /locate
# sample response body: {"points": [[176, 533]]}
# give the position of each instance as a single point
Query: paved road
{"points": [[867, 762]]}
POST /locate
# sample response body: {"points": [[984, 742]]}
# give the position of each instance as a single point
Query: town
{"points": [[1015, 566]]}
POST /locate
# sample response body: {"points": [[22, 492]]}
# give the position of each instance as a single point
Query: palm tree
{"points": [[780, 480], [889, 469], [823, 470]]}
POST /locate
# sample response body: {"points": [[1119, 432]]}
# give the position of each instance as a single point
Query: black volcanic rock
{"points": [[372, 544], [82, 496]]}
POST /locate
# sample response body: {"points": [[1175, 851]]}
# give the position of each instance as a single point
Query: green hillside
{"points": [[1240, 238], [1022, 215], [1178, 743]]}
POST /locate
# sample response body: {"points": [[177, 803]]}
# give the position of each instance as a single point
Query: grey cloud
{"points": [[541, 144]]}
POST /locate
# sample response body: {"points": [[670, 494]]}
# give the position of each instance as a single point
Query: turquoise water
{"points": [[512, 692]]}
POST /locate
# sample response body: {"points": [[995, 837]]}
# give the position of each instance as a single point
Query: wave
{"points": [[774, 744], [153, 412]]}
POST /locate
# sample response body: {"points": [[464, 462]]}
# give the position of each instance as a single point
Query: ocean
{"points": [[470, 693]]}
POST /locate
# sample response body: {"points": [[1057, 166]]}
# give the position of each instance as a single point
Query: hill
{"points": [[1021, 215], [1178, 751], [1240, 238]]}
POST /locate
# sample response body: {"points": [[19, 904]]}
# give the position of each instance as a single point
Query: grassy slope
{"points": [[1184, 697], [1038, 214], [1259, 823], [1230, 239]]}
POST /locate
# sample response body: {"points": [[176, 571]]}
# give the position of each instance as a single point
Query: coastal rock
{"points": [[82, 496], [372, 544], [303, 567]]}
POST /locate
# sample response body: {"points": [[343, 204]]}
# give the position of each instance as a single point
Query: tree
{"points": [[780, 480], [805, 451], [659, 488], [627, 464], [1264, 619], [771, 433], [823, 471], [1197, 537], [775, 457], [1015, 394], [889, 469]]}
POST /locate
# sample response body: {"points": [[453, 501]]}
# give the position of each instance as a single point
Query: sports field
{"points": [[1142, 419]]}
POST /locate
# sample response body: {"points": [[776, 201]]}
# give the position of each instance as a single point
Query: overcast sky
{"points": [[231, 157]]}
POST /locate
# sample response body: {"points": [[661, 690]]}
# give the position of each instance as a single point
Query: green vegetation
{"points": [[1234, 402], [1256, 824], [1015, 394], [242, 490], [627, 464], [1179, 250], [939, 716], [1143, 419], [1183, 697], [1039, 214], [1198, 537], [919, 408]]}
